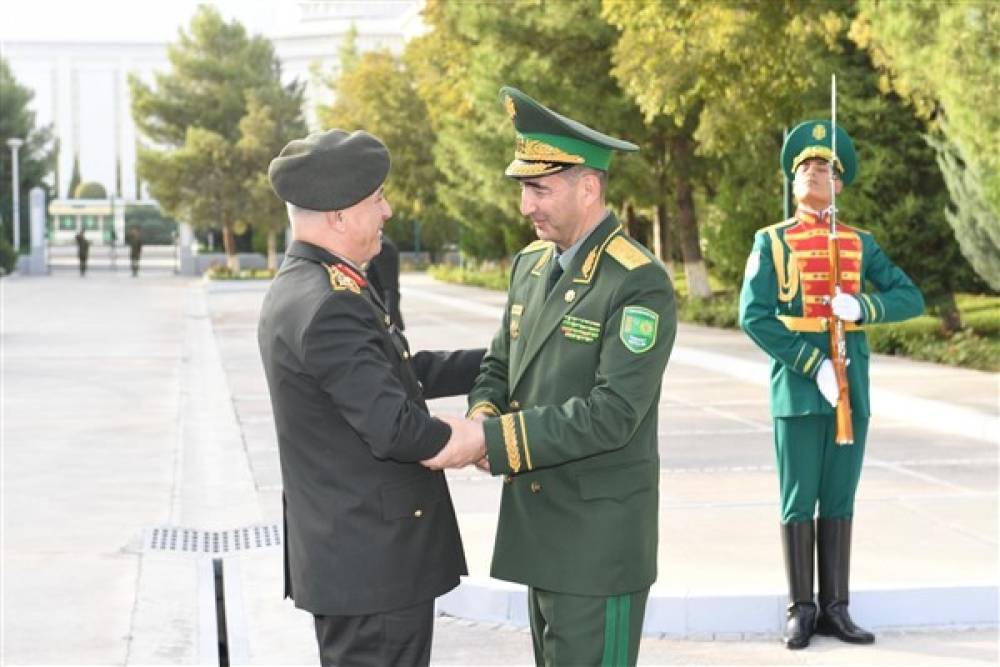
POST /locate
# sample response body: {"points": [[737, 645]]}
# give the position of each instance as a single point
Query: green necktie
{"points": [[554, 274]]}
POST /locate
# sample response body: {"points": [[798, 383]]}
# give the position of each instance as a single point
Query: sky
{"points": [[123, 20]]}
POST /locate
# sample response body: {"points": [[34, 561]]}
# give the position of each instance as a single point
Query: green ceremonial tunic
{"points": [[786, 281], [576, 377]]}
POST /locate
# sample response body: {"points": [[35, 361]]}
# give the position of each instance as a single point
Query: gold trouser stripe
{"points": [[813, 324], [524, 439], [510, 442]]}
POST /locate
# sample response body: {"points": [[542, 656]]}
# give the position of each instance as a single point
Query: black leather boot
{"points": [[797, 540], [834, 573]]}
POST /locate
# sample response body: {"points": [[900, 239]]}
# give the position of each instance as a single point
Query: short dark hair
{"points": [[574, 173]]}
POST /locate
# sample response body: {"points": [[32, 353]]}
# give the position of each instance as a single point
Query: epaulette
{"points": [[344, 278], [778, 225], [626, 253], [535, 246]]}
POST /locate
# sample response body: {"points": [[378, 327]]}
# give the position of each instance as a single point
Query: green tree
{"points": [[90, 190], [724, 77], [945, 59], [17, 121], [264, 130], [375, 92], [196, 166], [473, 49]]}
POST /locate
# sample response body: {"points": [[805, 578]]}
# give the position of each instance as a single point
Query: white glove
{"points": [[846, 307], [826, 379]]}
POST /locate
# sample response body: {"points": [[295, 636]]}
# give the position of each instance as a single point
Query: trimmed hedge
{"points": [[976, 346]]}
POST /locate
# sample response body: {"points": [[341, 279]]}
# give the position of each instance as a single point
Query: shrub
{"points": [[8, 258], [223, 272], [491, 278], [90, 190]]}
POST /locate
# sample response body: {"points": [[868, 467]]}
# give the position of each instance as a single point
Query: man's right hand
{"points": [[467, 445]]}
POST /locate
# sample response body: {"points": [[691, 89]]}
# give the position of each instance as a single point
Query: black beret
{"points": [[329, 171]]}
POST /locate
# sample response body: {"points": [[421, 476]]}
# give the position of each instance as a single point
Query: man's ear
{"points": [[838, 185], [335, 219], [591, 188]]}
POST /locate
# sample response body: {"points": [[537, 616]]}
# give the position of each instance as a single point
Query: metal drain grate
{"points": [[212, 542]]}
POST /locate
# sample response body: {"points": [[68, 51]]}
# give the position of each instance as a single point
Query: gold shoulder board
{"points": [[627, 254], [535, 246]]}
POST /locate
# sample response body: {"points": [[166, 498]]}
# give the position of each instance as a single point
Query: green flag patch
{"points": [[638, 331]]}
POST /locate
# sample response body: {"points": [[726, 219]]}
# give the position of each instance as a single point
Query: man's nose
{"points": [[527, 203], [388, 210]]}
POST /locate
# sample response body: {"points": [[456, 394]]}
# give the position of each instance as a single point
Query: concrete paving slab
{"points": [[133, 403]]}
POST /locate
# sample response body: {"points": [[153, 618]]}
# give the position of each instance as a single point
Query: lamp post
{"points": [[14, 145]]}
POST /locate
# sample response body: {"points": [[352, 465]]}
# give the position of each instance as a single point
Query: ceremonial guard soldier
{"points": [[569, 392], [791, 301]]}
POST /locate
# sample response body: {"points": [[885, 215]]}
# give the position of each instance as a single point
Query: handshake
{"points": [[466, 446]]}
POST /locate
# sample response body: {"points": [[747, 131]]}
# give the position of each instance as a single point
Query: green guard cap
{"points": [[813, 139], [548, 142]]}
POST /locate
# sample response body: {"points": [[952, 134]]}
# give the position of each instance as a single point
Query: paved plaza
{"points": [[136, 421]]}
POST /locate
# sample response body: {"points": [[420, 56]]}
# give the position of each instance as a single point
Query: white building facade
{"points": [[81, 87]]}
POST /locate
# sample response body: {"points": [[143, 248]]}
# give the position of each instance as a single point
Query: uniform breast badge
{"points": [[515, 320], [580, 330], [569, 296]]}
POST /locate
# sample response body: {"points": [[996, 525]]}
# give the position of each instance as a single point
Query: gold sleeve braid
{"points": [[510, 442], [485, 408]]}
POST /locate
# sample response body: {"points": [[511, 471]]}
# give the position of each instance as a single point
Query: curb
{"points": [[698, 616]]}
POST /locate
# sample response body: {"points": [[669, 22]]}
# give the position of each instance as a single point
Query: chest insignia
{"points": [[580, 330]]}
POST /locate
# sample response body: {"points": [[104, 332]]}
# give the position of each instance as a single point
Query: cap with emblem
{"points": [[548, 142], [813, 139], [329, 171]]}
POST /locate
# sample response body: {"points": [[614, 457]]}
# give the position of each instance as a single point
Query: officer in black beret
{"points": [[371, 537]]}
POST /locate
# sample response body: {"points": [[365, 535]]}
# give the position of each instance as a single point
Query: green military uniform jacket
{"points": [[576, 377], [786, 281]]}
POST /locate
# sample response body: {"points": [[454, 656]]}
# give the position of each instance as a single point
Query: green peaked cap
{"points": [[548, 142], [813, 139]]}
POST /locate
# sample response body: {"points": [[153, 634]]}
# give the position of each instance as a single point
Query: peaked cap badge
{"points": [[819, 132]]}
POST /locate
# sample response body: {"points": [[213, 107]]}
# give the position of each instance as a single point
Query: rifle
{"points": [[838, 336]]}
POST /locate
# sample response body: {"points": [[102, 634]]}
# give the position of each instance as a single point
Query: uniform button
{"points": [[387, 320], [507, 479], [514, 405], [536, 486], [418, 513], [406, 355]]}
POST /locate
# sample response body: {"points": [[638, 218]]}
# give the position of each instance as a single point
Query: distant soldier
{"points": [[82, 250], [134, 239], [785, 307]]}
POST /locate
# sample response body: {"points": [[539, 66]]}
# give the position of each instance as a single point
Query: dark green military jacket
{"points": [[784, 294], [576, 377], [367, 528]]}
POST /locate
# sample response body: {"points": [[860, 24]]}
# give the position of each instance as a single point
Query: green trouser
{"points": [[570, 630], [812, 468]]}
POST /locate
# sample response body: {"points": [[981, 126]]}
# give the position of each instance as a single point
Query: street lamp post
{"points": [[14, 145]]}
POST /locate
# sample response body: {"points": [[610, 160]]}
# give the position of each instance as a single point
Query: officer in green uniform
{"points": [[568, 392], [785, 306]]}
